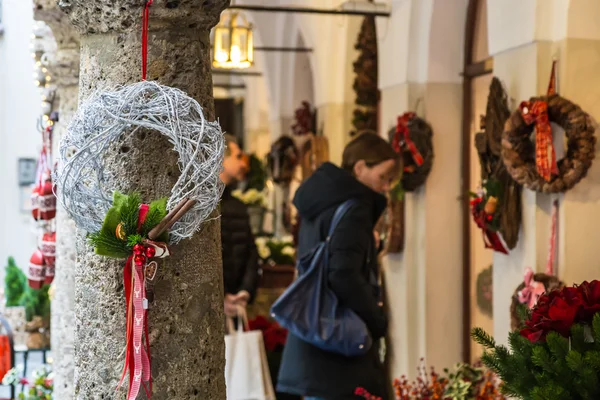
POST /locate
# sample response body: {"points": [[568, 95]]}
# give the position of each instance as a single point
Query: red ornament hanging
{"points": [[35, 274], [43, 202], [48, 248]]}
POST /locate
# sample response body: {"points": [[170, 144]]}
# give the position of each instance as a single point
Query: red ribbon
{"points": [[545, 157], [137, 358], [145, 18], [402, 137]]}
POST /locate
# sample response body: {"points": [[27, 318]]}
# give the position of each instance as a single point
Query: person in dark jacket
{"points": [[369, 167], [240, 256]]}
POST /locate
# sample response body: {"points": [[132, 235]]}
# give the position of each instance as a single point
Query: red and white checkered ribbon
{"points": [[545, 157]]}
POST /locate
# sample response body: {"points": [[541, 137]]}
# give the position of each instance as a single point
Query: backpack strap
{"points": [[339, 214]]}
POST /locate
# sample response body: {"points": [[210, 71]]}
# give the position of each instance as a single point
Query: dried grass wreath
{"points": [[528, 163], [106, 117]]}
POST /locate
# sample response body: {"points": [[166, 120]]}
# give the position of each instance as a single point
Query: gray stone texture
{"points": [[64, 69], [186, 317]]}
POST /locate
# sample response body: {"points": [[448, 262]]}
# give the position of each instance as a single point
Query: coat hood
{"points": [[330, 186]]}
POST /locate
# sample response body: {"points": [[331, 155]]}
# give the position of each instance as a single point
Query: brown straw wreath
{"points": [[518, 151]]}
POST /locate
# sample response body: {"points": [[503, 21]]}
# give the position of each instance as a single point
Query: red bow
{"points": [[545, 157], [402, 138]]}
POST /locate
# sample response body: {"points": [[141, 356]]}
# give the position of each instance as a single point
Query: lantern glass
{"points": [[233, 44]]}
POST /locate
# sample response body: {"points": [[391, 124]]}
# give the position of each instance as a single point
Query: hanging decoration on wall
{"points": [[535, 165], [123, 225], [413, 137], [528, 292], [314, 150], [484, 208], [488, 145], [365, 83], [305, 120], [282, 160], [485, 291], [534, 285]]}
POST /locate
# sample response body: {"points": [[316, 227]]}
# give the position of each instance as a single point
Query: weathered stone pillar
{"points": [[65, 72], [186, 318]]}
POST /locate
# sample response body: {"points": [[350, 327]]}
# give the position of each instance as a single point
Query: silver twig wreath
{"points": [[109, 115]]}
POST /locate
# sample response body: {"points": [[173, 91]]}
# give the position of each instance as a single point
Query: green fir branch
{"points": [[156, 212], [596, 329], [483, 338]]}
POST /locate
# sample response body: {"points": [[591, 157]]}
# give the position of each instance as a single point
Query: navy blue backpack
{"points": [[311, 311]]}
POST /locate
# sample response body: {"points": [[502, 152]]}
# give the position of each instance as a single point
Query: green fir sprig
{"points": [[125, 212], [556, 369]]}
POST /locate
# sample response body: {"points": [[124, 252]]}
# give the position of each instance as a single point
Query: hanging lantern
{"points": [[233, 44]]}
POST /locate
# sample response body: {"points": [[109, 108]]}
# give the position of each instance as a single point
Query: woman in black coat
{"points": [[369, 167]]}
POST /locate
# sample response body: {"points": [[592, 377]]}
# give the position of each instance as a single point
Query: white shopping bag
{"points": [[246, 369]]}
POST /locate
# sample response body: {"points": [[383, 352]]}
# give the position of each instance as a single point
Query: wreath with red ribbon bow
{"points": [[535, 165], [412, 137]]}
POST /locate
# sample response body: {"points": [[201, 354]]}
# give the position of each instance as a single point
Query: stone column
{"points": [[65, 72], [186, 318]]}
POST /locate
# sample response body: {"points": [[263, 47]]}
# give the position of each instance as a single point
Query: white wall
{"points": [[19, 110]]}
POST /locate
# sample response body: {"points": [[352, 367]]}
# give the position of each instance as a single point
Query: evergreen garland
{"points": [[124, 213], [365, 82], [559, 368]]}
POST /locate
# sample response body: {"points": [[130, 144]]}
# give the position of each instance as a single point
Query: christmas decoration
{"points": [[527, 294], [365, 82], [557, 353], [535, 166], [282, 160], [485, 291], [305, 120], [48, 248], [37, 266], [105, 117], [139, 233], [464, 382], [484, 205], [412, 137], [488, 145]]}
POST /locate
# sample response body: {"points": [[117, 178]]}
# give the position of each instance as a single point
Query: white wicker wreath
{"points": [[107, 116]]}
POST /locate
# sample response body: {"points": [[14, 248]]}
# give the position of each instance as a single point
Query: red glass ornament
{"points": [[138, 250], [150, 251], [140, 259], [490, 217], [35, 273]]}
